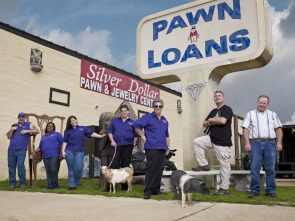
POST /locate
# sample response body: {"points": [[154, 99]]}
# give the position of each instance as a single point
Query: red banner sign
{"points": [[102, 80]]}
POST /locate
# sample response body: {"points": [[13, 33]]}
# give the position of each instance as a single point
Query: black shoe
{"points": [[221, 192], [147, 196], [273, 195], [72, 188], [253, 194], [160, 193]]}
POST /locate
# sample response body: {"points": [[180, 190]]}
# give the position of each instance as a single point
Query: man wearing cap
{"points": [[19, 137], [263, 135]]}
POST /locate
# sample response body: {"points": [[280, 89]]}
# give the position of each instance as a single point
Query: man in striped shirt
{"points": [[260, 129]]}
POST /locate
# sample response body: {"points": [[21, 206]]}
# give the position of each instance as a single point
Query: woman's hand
{"points": [[113, 144], [167, 151], [63, 155], [95, 135]]}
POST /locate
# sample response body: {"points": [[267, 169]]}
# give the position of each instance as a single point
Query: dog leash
{"points": [[113, 157]]}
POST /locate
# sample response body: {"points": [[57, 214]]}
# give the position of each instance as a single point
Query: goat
{"points": [[122, 175]]}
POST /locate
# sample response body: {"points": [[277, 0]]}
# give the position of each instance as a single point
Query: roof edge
{"points": [[78, 55]]}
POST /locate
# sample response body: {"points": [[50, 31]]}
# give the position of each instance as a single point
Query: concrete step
{"points": [[285, 181]]}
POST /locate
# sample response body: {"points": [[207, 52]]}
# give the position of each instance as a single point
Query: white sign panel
{"points": [[199, 33]]}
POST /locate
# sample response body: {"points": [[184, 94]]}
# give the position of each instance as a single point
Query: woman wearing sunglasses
{"points": [[156, 144]]}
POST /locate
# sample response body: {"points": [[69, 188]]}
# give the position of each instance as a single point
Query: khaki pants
{"points": [[222, 154]]}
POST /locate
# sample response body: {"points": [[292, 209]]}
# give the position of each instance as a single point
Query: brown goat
{"points": [[122, 175]]}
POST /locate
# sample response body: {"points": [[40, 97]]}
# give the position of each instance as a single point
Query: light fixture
{"points": [[179, 110], [36, 59]]}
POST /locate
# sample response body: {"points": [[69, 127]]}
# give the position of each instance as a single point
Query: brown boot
{"points": [[221, 192], [201, 168]]}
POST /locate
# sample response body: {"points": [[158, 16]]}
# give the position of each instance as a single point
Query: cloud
{"points": [[177, 86], [292, 120], [287, 23], [94, 43], [128, 63]]}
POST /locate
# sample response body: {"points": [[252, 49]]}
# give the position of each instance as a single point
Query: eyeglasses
{"points": [[157, 106]]}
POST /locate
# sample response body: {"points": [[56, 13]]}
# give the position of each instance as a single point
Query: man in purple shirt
{"points": [[19, 135], [123, 137], [156, 144]]}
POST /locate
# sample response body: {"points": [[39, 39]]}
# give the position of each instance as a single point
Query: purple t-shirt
{"points": [[123, 133], [18, 141], [50, 144], [156, 131], [75, 137]]}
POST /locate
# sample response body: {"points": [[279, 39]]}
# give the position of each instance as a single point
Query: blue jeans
{"points": [[75, 161], [51, 165], [17, 158], [263, 151]]}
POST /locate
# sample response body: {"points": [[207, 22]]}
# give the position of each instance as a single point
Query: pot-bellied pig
{"points": [[181, 181]]}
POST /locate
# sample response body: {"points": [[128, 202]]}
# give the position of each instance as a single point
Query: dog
{"points": [[122, 175], [186, 184]]}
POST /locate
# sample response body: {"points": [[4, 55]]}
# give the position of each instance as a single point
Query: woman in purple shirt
{"points": [[73, 149], [50, 145]]}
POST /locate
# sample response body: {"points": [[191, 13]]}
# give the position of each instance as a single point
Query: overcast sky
{"points": [[106, 30]]}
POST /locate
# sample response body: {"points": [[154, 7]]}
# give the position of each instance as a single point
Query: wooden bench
{"points": [[239, 178]]}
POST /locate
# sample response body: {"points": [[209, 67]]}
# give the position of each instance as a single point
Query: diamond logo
{"points": [[195, 90]]}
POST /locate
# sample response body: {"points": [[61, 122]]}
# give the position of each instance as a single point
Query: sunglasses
{"points": [[157, 106]]}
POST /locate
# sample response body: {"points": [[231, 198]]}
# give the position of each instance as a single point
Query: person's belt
{"points": [[263, 139]]}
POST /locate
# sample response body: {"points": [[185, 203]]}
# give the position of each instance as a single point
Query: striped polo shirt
{"points": [[261, 125]]}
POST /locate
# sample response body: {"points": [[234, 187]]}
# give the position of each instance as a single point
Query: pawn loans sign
{"points": [[202, 34], [199, 43]]}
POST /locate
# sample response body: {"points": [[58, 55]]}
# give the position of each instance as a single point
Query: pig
{"points": [[184, 183]]}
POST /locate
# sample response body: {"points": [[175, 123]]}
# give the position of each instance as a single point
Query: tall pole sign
{"points": [[199, 43]]}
